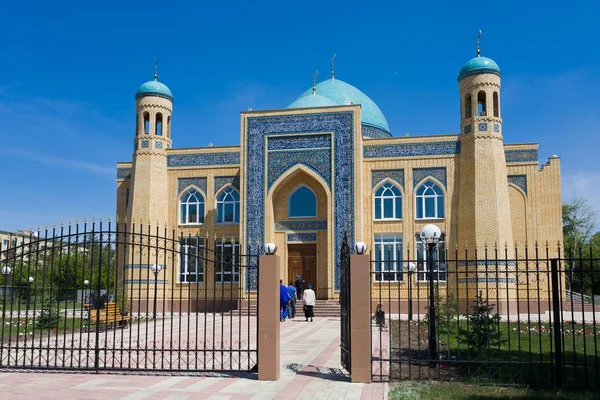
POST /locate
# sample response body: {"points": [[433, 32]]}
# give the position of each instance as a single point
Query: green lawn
{"points": [[460, 391], [524, 355]]}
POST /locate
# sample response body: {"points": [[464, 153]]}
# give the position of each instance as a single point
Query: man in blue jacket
{"points": [[292, 300], [283, 301]]}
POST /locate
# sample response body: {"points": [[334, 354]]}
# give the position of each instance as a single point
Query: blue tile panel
{"points": [[482, 127], [299, 142], [183, 183], [519, 181], [374, 132], [302, 237], [467, 128], [517, 156], [496, 127], [317, 160], [421, 173], [379, 175], [202, 159], [221, 181], [142, 266], [341, 125], [123, 173], [411, 149], [294, 226]]}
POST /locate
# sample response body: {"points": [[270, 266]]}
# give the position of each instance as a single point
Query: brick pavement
{"points": [[310, 369]]}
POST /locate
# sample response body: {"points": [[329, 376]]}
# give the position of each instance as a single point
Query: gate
{"points": [[345, 303], [126, 297]]}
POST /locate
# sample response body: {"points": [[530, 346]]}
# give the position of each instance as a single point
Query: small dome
{"points": [[479, 65], [312, 100], [340, 93], [154, 88]]}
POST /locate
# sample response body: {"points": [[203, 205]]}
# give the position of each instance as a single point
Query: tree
{"points": [[579, 217]]}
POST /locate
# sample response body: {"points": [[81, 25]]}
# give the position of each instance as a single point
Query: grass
{"points": [[462, 391], [525, 354], [27, 329]]}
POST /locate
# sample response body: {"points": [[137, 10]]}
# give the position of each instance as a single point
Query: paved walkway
{"points": [[310, 369]]}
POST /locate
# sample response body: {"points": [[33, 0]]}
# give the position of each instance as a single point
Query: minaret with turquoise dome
{"points": [[154, 105], [484, 207]]}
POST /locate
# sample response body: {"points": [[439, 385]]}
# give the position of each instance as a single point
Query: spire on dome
{"points": [[156, 69], [333, 67], [314, 88], [478, 49]]}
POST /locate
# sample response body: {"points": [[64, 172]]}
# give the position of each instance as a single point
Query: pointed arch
{"points": [[191, 206], [228, 205], [387, 200], [430, 196], [158, 125]]}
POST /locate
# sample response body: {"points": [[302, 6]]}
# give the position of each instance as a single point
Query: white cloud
{"points": [[59, 161], [585, 185]]}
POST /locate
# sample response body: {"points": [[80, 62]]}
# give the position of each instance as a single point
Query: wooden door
{"points": [[302, 260]]}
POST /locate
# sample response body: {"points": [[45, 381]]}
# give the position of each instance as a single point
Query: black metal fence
{"points": [[499, 317], [345, 344], [103, 296]]}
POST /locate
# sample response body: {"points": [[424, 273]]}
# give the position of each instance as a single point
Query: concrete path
{"points": [[310, 369]]}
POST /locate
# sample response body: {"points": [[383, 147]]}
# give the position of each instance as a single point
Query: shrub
{"points": [[49, 316], [481, 328]]}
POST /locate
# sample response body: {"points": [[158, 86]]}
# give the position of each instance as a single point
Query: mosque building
{"points": [[328, 163]]}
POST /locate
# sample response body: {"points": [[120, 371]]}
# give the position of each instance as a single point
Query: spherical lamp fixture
{"points": [[270, 248], [360, 247], [430, 234]]}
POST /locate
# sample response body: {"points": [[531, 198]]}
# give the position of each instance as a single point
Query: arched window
{"points": [[146, 122], [169, 126], [228, 206], [302, 203], [468, 106], [481, 105], [388, 202], [496, 106], [158, 130], [191, 208], [430, 200]]}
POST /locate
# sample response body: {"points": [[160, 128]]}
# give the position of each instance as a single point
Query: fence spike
{"points": [[547, 244], [62, 224], [100, 219], [93, 220], [70, 223], [85, 220]]}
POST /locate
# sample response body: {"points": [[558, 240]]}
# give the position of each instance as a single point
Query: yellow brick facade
{"points": [[491, 203]]}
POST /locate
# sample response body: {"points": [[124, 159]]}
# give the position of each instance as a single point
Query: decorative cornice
{"points": [[124, 173], [203, 159], [294, 226], [519, 156], [411, 149]]}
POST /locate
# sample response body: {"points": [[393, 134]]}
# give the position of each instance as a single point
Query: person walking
{"points": [[308, 300], [291, 306], [283, 301], [298, 285]]}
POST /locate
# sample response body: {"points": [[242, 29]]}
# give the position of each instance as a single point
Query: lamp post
{"points": [[431, 235], [412, 267], [86, 283], [156, 268], [5, 271], [29, 282]]}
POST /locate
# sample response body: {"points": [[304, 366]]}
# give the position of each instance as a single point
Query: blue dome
{"points": [[312, 100], [340, 93], [479, 65], [154, 88]]}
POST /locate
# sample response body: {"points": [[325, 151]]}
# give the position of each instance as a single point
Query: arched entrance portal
{"points": [[298, 221]]}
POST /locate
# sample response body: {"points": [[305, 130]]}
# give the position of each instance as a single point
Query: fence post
{"points": [[360, 319], [556, 301], [268, 318]]}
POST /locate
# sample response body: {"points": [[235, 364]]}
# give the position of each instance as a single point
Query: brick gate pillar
{"points": [[268, 318], [360, 318]]}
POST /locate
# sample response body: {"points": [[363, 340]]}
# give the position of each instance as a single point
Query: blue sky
{"points": [[69, 71]]}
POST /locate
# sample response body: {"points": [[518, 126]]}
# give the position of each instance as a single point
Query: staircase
{"points": [[322, 309]]}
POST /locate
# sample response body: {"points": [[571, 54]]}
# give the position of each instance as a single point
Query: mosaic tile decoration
{"points": [[421, 173], [468, 128], [317, 160], [411, 149], [302, 237], [145, 281], [221, 181], [379, 175], [482, 127], [299, 142], [199, 182], [496, 127], [123, 173], [374, 132], [294, 226], [341, 125], [519, 181], [202, 159], [142, 266], [158, 144], [517, 156], [145, 144]]}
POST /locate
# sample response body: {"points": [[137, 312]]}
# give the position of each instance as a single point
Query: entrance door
{"points": [[302, 260]]}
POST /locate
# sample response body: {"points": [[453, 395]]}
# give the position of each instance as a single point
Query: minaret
{"points": [[154, 104], [484, 207]]}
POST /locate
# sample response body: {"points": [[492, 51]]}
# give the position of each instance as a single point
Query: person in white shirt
{"points": [[308, 301]]}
